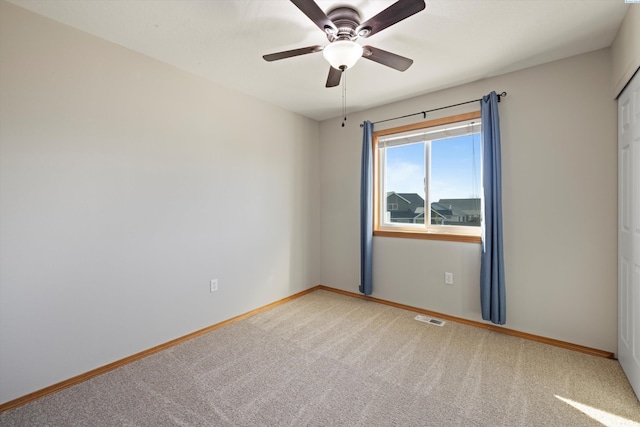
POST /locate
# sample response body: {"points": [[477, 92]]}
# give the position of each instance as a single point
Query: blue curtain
{"points": [[492, 284], [366, 214]]}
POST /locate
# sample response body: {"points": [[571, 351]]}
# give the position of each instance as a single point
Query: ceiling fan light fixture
{"points": [[342, 54]]}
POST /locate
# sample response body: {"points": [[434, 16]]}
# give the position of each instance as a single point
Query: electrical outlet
{"points": [[214, 285], [448, 278]]}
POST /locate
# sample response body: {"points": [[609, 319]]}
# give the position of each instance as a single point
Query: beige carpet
{"points": [[327, 359]]}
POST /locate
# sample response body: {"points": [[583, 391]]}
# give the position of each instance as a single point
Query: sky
{"points": [[454, 173]]}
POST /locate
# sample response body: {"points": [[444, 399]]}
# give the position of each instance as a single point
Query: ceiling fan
{"points": [[343, 27]]}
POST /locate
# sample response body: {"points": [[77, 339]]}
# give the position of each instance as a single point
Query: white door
{"points": [[629, 232]]}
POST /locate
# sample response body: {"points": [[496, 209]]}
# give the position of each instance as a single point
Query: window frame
{"points": [[429, 232]]}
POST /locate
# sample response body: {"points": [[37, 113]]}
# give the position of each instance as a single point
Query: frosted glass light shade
{"points": [[342, 54]]}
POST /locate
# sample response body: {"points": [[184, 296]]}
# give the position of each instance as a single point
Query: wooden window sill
{"points": [[428, 236]]}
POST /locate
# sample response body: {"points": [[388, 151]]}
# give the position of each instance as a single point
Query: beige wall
{"points": [[625, 50], [559, 203], [125, 186]]}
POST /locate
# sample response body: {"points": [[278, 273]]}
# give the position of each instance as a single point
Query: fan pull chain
{"points": [[344, 97]]}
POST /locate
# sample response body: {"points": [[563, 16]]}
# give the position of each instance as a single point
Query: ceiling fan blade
{"points": [[333, 79], [389, 59], [395, 13], [317, 15], [291, 53]]}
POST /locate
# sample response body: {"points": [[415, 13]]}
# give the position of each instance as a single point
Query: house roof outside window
{"points": [[455, 210]]}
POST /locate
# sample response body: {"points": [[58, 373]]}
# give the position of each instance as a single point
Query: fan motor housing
{"points": [[346, 21]]}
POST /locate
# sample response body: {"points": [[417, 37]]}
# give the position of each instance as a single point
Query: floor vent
{"points": [[430, 320]]}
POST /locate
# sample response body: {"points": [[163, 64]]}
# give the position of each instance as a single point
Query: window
{"points": [[427, 179]]}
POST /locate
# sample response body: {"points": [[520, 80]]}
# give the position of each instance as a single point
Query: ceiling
{"points": [[451, 42]]}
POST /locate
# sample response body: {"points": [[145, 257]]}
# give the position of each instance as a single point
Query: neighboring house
{"points": [[457, 212], [405, 208], [409, 208]]}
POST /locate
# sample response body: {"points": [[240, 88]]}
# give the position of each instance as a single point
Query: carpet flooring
{"points": [[327, 359]]}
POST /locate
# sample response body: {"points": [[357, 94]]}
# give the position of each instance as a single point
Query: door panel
{"points": [[629, 232]]}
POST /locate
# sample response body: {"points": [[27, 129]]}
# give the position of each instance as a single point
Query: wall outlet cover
{"points": [[448, 278]]}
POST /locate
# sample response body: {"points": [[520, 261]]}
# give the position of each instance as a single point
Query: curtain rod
{"points": [[424, 113]]}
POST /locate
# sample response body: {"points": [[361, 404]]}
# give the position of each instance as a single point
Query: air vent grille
{"points": [[430, 320]]}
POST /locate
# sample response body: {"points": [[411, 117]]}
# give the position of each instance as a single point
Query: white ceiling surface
{"points": [[451, 42]]}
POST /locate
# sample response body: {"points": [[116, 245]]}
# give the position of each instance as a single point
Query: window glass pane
{"points": [[455, 181], [404, 184], [428, 179]]}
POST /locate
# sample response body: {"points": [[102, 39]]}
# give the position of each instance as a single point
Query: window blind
{"points": [[451, 130]]}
